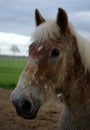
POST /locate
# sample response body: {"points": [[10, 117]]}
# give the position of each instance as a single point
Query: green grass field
{"points": [[10, 70]]}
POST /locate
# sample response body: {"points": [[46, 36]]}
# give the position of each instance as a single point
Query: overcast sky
{"points": [[17, 19]]}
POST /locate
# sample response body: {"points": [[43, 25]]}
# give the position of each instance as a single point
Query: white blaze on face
{"points": [[40, 48]]}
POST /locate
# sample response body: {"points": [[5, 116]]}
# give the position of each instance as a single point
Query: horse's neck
{"points": [[79, 90], [76, 114], [67, 121], [78, 110]]}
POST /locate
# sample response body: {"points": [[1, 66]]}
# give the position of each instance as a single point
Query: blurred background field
{"points": [[10, 70]]}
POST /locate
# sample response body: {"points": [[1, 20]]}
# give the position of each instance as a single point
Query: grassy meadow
{"points": [[10, 70]]}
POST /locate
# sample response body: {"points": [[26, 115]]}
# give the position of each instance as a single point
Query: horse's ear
{"points": [[38, 18], [62, 20]]}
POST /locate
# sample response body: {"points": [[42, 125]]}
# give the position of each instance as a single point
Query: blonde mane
{"points": [[50, 29], [83, 47]]}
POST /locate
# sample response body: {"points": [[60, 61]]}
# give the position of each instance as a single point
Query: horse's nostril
{"points": [[26, 106]]}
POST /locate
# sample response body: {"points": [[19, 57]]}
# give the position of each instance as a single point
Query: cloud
{"points": [[81, 21], [12, 38], [17, 17], [9, 39], [76, 6], [83, 16], [85, 34]]}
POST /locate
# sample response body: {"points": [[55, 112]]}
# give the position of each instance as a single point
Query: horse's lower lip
{"points": [[29, 117]]}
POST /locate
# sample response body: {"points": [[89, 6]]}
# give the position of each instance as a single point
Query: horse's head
{"points": [[49, 66]]}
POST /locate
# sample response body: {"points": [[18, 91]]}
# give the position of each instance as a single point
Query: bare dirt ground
{"points": [[46, 119]]}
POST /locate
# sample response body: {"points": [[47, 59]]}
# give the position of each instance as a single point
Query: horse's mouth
{"points": [[29, 116]]}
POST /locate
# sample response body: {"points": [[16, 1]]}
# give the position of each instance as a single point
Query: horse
{"points": [[59, 62]]}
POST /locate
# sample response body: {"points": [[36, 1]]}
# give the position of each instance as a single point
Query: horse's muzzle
{"points": [[25, 108]]}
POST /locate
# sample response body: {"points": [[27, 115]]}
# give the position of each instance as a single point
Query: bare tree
{"points": [[14, 49]]}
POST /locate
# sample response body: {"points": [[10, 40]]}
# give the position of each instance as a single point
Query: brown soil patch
{"points": [[46, 119]]}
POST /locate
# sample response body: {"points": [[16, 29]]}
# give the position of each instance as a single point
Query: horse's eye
{"points": [[55, 53]]}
